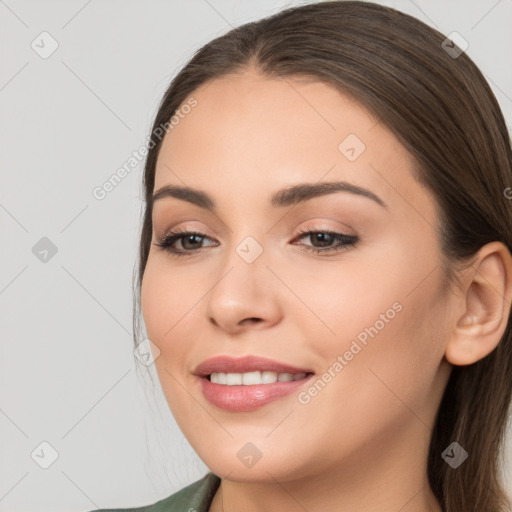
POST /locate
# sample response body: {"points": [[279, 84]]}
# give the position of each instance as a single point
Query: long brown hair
{"points": [[442, 110]]}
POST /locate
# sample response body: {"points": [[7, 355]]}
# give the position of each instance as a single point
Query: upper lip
{"points": [[224, 364]]}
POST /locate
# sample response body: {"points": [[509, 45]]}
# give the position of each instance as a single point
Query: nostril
{"points": [[251, 320]]}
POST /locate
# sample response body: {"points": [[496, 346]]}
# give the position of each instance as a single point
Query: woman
{"points": [[325, 267]]}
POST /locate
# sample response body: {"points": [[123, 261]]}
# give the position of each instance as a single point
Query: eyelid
{"points": [[310, 225], [192, 226], [320, 225]]}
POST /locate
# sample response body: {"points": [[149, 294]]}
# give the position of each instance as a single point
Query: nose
{"points": [[244, 297]]}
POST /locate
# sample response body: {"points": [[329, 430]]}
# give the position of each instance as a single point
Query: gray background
{"points": [[68, 122]]}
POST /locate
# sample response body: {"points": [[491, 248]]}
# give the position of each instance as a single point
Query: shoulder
{"points": [[195, 497]]}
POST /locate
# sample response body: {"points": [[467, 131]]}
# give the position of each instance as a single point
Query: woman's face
{"points": [[367, 319]]}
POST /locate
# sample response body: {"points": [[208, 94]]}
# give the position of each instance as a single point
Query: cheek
{"points": [[167, 299], [163, 303], [389, 371], [400, 359], [153, 305], [385, 317], [340, 301]]}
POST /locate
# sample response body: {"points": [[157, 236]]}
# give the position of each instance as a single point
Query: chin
{"points": [[237, 466]]}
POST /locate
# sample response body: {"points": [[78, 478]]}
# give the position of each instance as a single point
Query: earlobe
{"points": [[487, 307]]}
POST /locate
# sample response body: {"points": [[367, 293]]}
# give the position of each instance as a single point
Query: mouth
{"points": [[248, 383], [254, 378], [248, 368]]}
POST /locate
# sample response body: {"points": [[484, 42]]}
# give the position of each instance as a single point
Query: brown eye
{"points": [[190, 241], [325, 239]]}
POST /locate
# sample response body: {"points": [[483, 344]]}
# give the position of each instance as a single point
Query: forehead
{"points": [[266, 120], [254, 134]]}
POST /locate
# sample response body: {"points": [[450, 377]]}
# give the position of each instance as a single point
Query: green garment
{"points": [[196, 497]]}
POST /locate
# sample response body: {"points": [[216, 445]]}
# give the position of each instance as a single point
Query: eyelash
{"points": [[346, 241]]}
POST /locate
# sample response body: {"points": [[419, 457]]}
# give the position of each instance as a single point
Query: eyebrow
{"points": [[286, 197]]}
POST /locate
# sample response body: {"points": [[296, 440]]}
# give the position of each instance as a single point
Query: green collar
{"points": [[196, 497]]}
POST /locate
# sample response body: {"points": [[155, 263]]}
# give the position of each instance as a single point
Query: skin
{"points": [[362, 442]]}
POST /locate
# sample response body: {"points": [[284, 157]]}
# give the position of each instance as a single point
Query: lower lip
{"points": [[248, 398]]}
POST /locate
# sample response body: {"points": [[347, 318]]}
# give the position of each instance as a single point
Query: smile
{"points": [[253, 378]]}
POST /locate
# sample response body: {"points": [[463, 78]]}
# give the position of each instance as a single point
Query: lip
{"points": [[240, 398], [225, 364]]}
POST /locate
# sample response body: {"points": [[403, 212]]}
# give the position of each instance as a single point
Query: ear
{"points": [[488, 293]]}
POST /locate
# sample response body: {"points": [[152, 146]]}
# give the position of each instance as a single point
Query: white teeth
{"points": [[252, 378], [233, 379], [268, 377]]}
